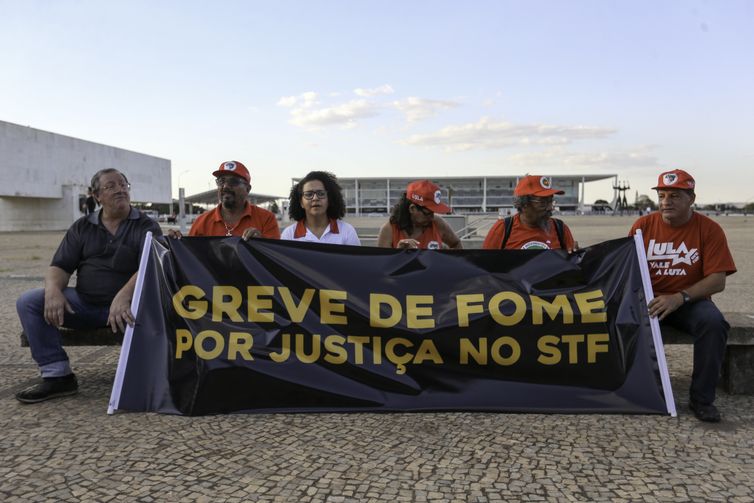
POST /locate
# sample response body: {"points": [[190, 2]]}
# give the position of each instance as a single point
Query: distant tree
{"points": [[644, 201], [749, 208], [600, 202], [274, 207]]}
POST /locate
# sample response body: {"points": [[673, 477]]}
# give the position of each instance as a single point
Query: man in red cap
{"points": [[234, 215], [412, 221], [689, 259], [532, 227]]}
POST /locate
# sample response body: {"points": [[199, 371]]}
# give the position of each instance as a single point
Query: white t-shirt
{"points": [[338, 233]]}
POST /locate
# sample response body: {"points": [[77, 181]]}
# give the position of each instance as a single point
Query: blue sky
{"points": [[395, 88]]}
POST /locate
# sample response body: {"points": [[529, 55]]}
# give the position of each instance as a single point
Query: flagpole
{"points": [[126, 347], [654, 324]]}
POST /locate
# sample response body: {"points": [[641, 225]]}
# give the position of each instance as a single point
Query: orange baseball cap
{"points": [[534, 185], [426, 194], [233, 168], [676, 179]]}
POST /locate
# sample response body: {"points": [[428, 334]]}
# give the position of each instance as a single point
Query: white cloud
{"points": [[419, 108], [346, 114], [488, 134], [303, 100], [376, 91], [287, 101], [641, 157]]}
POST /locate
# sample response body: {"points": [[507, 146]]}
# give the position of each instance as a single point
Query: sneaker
{"points": [[50, 387], [707, 413]]}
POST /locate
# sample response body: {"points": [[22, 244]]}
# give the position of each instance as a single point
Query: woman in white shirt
{"points": [[317, 206]]}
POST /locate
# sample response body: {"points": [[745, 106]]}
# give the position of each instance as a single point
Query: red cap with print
{"points": [[676, 179], [535, 185], [233, 168], [427, 195]]}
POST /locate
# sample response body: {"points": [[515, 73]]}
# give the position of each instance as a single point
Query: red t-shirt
{"points": [[678, 257], [430, 239], [527, 238], [210, 223]]}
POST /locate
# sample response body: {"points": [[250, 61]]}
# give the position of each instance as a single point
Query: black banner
{"points": [[225, 325]]}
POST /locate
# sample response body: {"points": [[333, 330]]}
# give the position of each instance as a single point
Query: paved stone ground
{"points": [[71, 450]]}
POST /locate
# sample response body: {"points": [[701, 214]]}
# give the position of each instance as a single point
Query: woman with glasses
{"points": [[412, 221], [316, 204]]}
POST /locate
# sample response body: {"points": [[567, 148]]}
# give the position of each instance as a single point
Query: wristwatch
{"points": [[686, 296]]}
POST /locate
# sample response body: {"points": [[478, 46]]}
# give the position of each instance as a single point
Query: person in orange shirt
{"points": [[234, 215], [532, 227], [412, 221], [689, 260]]}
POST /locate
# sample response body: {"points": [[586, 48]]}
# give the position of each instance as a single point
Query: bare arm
{"points": [[448, 236], [120, 308], [56, 304], [385, 237], [661, 306]]}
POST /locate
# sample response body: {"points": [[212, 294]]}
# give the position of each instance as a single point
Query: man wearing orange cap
{"points": [[412, 221], [689, 259], [235, 215], [532, 227]]}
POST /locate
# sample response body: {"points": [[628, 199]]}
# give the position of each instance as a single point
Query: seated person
{"points": [[104, 249], [689, 260], [533, 226], [316, 204], [412, 221], [234, 214]]}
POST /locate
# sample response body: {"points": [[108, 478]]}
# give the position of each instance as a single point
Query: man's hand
{"points": [[251, 232], [663, 305], [408, 243], [175, 234], [575, 247], [56, 305], [120, 312]]}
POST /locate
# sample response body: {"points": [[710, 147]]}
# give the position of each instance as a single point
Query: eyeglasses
{"points": [[426, 212], [309, 194], [114, 187], [542, 201], [230, 181]]}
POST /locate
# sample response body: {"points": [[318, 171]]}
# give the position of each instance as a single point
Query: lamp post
{"points": [[181, 204]]}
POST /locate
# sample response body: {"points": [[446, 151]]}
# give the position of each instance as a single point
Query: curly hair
{"points": [[336, 206], [401, 216]]}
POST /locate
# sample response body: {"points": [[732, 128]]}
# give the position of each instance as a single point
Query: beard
{"points": [[230, 200]]}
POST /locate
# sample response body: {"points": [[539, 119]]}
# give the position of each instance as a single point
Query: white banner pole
{"points": [[126, 347], [654, 324]]}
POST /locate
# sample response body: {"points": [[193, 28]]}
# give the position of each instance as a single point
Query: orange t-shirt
{"points": [[210, 223], [678, 257], [527, 238], [430, 239]]}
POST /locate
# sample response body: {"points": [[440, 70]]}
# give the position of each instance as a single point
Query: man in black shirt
{"points": [[103, 248]]}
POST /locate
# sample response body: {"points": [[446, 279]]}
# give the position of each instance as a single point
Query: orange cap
{"points": [[233, 168], [535, 185], [676, 179], [426, 194]]}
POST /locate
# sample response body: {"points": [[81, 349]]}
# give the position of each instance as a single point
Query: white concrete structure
{"points": [[464, 194], [43, 175]]}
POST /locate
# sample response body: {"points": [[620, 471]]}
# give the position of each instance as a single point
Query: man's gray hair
{"points": [[95, 179], [520, 201]]}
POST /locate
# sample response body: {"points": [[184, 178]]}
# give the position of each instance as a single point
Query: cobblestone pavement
{"points": [[71, 450]]}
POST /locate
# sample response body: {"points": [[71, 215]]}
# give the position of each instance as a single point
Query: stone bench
{"points": [[93, 337], [738, 366]]}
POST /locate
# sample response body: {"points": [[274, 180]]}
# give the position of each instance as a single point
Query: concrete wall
{"points": [[42, 175]]}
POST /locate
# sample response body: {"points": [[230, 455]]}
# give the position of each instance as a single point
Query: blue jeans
{"points": [[704, 321], [44, 340]]}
